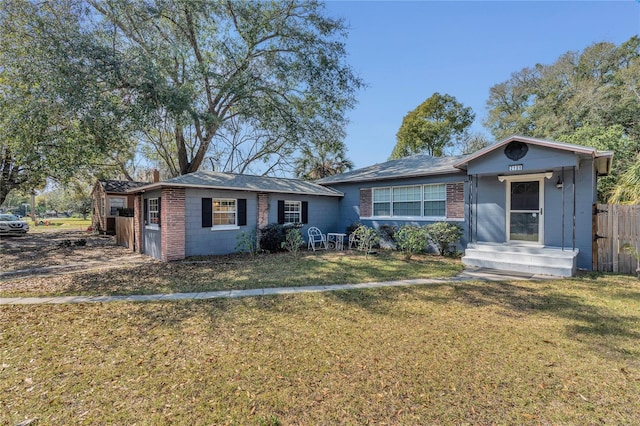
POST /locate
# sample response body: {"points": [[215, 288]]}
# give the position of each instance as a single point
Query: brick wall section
{"points": [[263, 215], [366, 203], [263, 210], [138, 223], [455, 200], [172, 224]]}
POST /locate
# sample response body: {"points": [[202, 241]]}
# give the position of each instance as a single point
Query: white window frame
{"points": [[124, 205], [298, 211], [150, 212], [389, 202], [420, 189], [540, 177], [424, 198], [224, 227], [420, 217]]}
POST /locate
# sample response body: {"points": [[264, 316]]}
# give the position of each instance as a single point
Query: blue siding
{"points": [[489, 215], [491, 211], [323, 212], [349, 209], [204, 241], [537, 159]]}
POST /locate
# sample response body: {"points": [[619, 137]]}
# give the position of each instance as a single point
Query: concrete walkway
{"points": [[467, 275]]}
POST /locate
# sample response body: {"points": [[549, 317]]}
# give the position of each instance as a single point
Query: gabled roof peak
{"points": [[577, 149]]}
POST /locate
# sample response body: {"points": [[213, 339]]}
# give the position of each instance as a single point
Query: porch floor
{"points": [[526, 259]]}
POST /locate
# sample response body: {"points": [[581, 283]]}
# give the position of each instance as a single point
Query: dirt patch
{"points": [[55, 248]]}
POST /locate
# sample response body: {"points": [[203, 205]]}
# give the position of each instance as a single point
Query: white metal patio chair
{"points": [[354, 242], [317, 240]]}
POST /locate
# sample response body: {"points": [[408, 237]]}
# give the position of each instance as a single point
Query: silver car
{"points": [[11, 225]]}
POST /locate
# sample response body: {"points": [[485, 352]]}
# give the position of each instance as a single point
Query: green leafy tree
{"points": [[597, 87], [239, 82], [472, 142], [59, 111], [508, 104], [627, 189], [72, 198], [611, 138], [588, 98], [432, 126], [321, 160]]}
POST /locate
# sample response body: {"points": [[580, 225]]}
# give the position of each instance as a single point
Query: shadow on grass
{"points": [[237, 272], [588, 316], [597, 320]]}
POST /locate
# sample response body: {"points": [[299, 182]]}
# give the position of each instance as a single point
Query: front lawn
{"points": [[235, 272], [556, 352], [59, 223]]}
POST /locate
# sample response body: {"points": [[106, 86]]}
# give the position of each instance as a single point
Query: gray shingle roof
{"points": [[119, 185], [416, 165], [218, 180]]}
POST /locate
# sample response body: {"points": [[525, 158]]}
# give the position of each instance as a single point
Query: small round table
{"points": [[337, 239]]}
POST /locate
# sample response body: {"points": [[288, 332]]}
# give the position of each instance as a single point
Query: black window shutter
{"points": [[242, 211], [207, 213], [280, 212], [159, 211], [305, 212], [145, 219]]}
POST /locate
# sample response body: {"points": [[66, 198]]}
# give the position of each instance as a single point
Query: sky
{"points": [[407, 51]]}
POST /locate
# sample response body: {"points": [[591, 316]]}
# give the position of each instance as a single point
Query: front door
{"points": [[524, 210]]}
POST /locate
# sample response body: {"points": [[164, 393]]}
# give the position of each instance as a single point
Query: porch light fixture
{"points": [[559, 183]]}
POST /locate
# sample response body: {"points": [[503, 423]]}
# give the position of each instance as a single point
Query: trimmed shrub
{"points": [[292, 241], [444, 235], [411, 239], [247, 242], [271, 237], [367, 238]]}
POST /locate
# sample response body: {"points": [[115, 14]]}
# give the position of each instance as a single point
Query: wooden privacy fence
{"points": [[124, 231], [615, 225]]}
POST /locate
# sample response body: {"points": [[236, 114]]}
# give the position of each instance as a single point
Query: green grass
{"points": [[61, 223], [237, 272], [557, 352]]}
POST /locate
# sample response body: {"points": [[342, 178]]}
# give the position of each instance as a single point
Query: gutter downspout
{"points": [[475, 228], [574, 210], [470, 200], [562, 209]]}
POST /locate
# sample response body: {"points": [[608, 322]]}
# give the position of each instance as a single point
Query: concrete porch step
{"points": [[522, 249], [525, 259]]}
